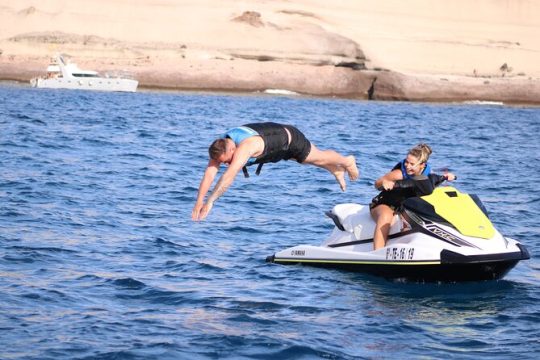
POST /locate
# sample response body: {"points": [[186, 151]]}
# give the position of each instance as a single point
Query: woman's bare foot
{"points": [[351, 168]]}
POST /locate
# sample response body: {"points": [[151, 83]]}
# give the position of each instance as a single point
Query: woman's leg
{"points": [[335, 163], [383, 216]]}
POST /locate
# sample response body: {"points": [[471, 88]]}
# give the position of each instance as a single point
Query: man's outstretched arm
{"points": [[241, 156], [209, 174]]}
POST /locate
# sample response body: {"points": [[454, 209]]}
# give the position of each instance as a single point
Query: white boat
{"points": [[63, 74]]}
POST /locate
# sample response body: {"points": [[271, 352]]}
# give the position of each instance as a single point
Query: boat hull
{"points": [[95, 84], [450, 267], [421, 273]]}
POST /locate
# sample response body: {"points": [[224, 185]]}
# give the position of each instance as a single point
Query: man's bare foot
{"points": [[351, 168]]}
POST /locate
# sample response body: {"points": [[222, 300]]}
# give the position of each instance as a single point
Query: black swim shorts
{"points": [[385, 198], [300, 147]]}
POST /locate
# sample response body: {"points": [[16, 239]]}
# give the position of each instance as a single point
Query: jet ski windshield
{"points": [[448, 205]]}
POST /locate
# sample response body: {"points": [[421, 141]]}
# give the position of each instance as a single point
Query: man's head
{"points": [[222, 150]]}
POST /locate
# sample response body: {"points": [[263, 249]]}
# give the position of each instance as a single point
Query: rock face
{"points": [[296, 42], [396, 86], [252, 18]]}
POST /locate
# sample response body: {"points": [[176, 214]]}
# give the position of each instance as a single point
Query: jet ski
{"points": [[445, 236]]}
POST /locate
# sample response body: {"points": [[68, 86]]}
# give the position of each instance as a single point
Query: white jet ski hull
{"points": [[418, 249]]}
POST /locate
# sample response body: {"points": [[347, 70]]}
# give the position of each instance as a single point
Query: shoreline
{"points": [[326, 81], [229, 92]]}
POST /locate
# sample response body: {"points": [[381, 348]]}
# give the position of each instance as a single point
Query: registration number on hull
{"points": [[399, 253]]}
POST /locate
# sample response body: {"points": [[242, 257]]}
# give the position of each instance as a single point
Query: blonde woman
{"points": [[398, 185]]}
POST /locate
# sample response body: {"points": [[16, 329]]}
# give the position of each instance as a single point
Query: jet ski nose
{"points": [[524, 252]]}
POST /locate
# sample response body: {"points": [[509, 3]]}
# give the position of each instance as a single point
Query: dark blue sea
{"points": [[99, 258]]}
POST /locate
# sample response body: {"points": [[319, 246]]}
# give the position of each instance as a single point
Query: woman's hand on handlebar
{"points": [[450, 177], [388, 184]]}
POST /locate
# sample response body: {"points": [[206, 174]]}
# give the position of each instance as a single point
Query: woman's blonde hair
{"points": [[421, 152]]}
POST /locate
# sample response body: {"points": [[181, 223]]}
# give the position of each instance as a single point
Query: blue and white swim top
{"points": [[401, 165], [239, 134]]}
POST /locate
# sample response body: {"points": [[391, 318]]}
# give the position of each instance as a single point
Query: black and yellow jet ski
{"points": [[446, 236]]}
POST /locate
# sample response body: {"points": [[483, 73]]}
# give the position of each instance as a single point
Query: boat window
{"points": [[84, 75]]}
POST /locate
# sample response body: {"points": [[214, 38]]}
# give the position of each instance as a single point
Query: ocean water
{"points": [[99, 258]]}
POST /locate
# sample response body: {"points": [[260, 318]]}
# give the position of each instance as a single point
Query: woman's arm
{"points": [[424, 185], [387, 181]]}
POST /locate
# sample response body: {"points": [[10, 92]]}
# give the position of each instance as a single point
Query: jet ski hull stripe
{"points": [[366, 241], [437, 232], [419, 272], [372, 262], [434, 231], [447, 257]]}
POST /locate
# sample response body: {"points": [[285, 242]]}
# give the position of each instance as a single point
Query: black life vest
{"points": [[276, 144]]}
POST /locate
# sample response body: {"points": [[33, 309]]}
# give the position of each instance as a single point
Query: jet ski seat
{"points": [[341, 215], [356, 219]]}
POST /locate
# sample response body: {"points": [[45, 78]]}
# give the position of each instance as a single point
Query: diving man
{"points": [[261, 143]]}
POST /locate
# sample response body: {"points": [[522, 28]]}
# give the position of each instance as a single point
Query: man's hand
{"points": [[205, 210], [209, 174], [195, 213]]}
